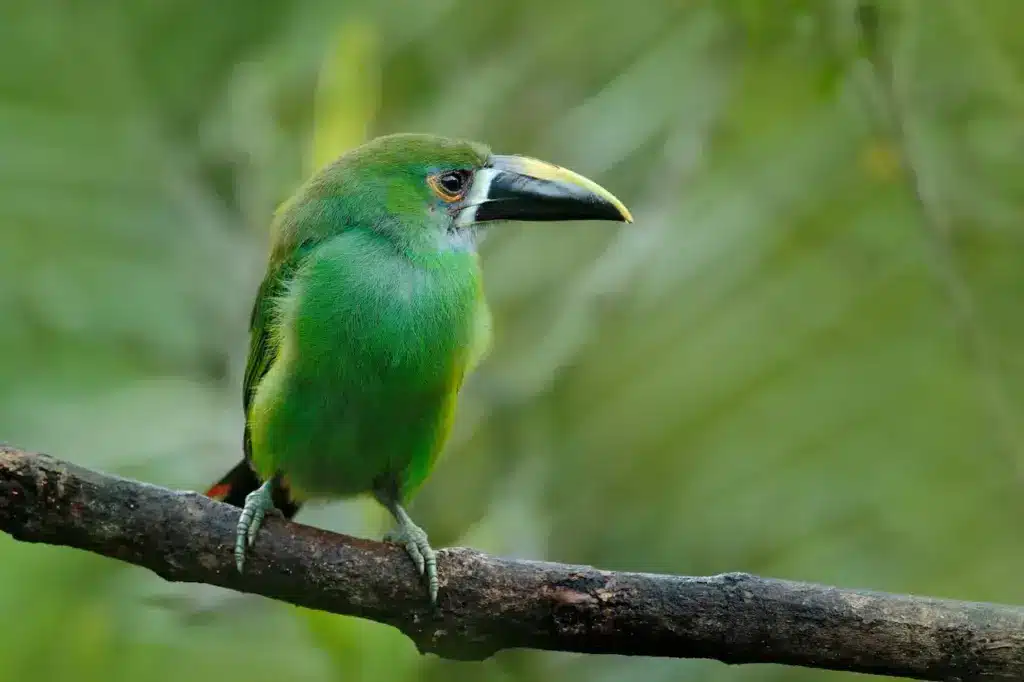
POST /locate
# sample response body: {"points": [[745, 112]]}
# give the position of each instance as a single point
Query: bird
{"points": [[370, 317]]}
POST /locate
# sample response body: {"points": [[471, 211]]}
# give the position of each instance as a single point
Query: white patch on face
{"points": [[454, 238], [461, 239], [477, 194]]}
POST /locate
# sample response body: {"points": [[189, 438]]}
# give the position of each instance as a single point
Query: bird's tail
{"points": [[241, 481]]}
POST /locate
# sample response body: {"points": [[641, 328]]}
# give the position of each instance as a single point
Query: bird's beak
{"points": [[521, 188]]}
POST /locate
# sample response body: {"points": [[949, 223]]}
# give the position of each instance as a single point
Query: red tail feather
{"points": [[242, 480], [219, 491]]}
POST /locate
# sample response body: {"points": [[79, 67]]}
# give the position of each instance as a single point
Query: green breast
{"points": [[373, 346]]}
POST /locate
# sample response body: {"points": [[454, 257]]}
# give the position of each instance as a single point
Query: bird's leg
{"points": [[414, 539], [257, 504]]}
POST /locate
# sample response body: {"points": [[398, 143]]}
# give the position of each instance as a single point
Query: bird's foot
{"points": [[258, 504], [414, 539]]}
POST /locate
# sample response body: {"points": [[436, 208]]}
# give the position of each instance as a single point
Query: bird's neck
{"points": [[432, 243], [358, 294]]}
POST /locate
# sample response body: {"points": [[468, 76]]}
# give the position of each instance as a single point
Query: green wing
{"points": [[262, 344]]}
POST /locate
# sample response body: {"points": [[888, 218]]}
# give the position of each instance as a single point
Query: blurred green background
{"points": [[804, 359]]}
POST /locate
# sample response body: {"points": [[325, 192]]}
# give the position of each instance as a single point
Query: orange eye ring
{"points": [[449, 186]]}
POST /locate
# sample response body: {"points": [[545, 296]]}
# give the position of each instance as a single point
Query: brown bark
{"points": [[489, 603]]}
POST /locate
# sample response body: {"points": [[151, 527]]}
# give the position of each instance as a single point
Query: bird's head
{"points": [[433, 193]]}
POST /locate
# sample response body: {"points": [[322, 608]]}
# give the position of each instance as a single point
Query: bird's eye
{"points": [[449, 186], [452, 183]]}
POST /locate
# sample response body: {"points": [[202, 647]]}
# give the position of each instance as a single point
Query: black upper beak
{"points": [[522, 188]]}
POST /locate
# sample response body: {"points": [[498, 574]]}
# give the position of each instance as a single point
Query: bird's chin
{"points": [[462, 238]]}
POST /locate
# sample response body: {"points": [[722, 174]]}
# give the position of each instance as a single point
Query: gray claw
{"points": [[257, 504], [414, 539]]}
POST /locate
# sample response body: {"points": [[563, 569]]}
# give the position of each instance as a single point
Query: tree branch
{"points": [[488, 603]]}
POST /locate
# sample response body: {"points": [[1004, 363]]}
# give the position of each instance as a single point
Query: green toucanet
{"points": [[369, 318]]}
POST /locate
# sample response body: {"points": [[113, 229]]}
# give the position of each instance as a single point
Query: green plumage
{"points": [[371, 347], [364, 325], [369, 318]]}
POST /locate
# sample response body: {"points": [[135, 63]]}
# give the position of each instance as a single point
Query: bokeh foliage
{"points": [[804, 360]]}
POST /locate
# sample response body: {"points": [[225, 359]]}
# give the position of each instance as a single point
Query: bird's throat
{"points": [[460, 239], [360, 302]]}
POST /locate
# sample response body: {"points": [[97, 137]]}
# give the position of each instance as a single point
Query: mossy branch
{"points": [[489, 603]]}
